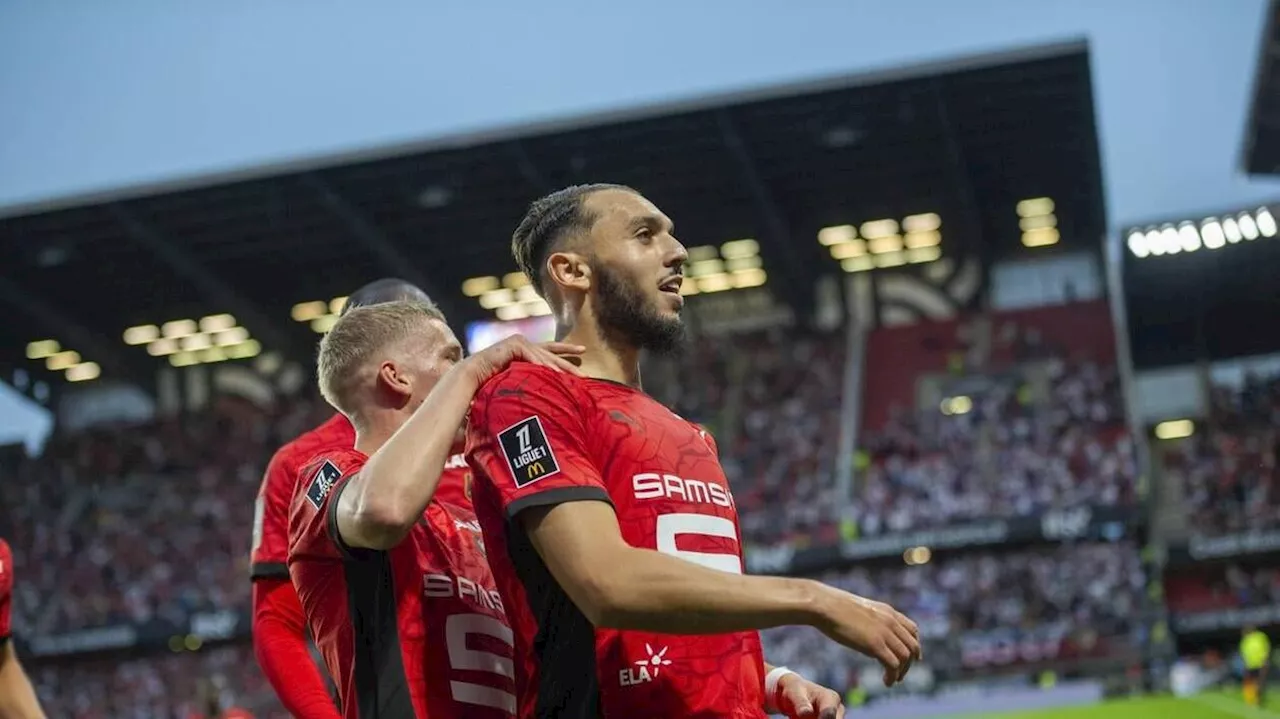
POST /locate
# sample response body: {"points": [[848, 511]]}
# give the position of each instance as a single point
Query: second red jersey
{"points": [[418, 630], [275, 495], [537, 438], [6, 591]]}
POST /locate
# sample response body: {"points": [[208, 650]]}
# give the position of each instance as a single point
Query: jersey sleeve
{"points": [[528, 438], [269, 556], [313, 518], [6, 592]]}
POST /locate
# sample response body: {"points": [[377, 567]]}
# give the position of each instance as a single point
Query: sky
{"points": [[98, 95]]}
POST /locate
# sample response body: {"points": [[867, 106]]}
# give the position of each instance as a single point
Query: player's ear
{"points": [[569, 270], [393, 379]]}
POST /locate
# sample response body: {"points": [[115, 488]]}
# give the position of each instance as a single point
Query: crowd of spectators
{"points": [[1227, 472], [1222, 587], [158, 686], [1071, 592], [1019, 441]]}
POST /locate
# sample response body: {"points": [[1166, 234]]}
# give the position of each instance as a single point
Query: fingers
{"points": [[909, 634], [563, 348], [828, 705], [549, 354], [902, 655]]}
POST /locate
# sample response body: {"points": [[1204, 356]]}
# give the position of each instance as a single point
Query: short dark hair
{"points": [[548, 220], [387, 289]]}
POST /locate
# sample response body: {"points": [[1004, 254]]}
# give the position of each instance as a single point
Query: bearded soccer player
{"points": [[17, 698], [395, 585], [611, 529], [279, 628]]}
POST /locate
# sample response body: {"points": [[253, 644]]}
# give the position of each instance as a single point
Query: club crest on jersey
{"points": [[321, 483], [528, 454]]}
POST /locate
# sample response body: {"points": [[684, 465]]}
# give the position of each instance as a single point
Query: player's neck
{"points": [[605, 360], [373, 431]]}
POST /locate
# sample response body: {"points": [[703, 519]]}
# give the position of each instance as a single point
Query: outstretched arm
{"points": [[17, 696]]}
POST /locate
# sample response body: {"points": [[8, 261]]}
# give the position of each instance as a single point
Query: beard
{"points": [[626, 317]]}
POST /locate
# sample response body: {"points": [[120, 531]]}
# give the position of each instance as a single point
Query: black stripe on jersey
{"points": [[559, 495], [565, 646], [382, 687], [269, 570]]}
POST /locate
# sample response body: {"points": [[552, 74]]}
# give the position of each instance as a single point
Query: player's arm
{"points": [[380, 504], [280, 644], [17, 696], [565, 511]]}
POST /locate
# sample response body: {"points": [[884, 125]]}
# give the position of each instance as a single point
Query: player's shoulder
{"points": [[527, 378], [336, 432]]}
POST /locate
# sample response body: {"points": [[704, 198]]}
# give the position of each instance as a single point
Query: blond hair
{"points": [[359, 336]]}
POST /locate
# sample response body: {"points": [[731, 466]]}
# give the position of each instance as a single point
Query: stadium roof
{"points": [[966, 140], [1262, 136]]}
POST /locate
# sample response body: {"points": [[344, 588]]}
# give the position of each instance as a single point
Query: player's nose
{"points": [[677, 255]]}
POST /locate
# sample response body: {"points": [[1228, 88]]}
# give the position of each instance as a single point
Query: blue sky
{"points": [[98, 95]]}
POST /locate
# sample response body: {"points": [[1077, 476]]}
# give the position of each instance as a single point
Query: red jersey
{"points": [[539, 437], [271, 511], [418, 630], [6, 591]]}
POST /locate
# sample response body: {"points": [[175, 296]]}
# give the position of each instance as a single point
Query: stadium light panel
{"points": [[688, 287], [493, 299], [836, 235], [62, 360], [738, 264], [336, 305], [737, 249], [1188, 238], [857, 264], [515, 280], [927, 222], [743, 279], [477, 286], [540, 308], [307, 311], [40, 349], [714, 283], [1266, 222], [1138, 244], [879, 228], [923, 254], [193, 343], [511, 312], [526, 294], [1035, 207], [213, 354], [845, 250], [1169, 240], [1175, 429], [1042, 237], [887, 243], [178, 329], [889, 259], [245, 350], [917, 556], [1231, 230], [162, 347], [83, 372], [930, 238], [321, 325], [217, 323], [706, 268], [183, 359], [702, 252], [141, 335], [231, 336], [1037, 222], [1248, 228], [1211, 232]]}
